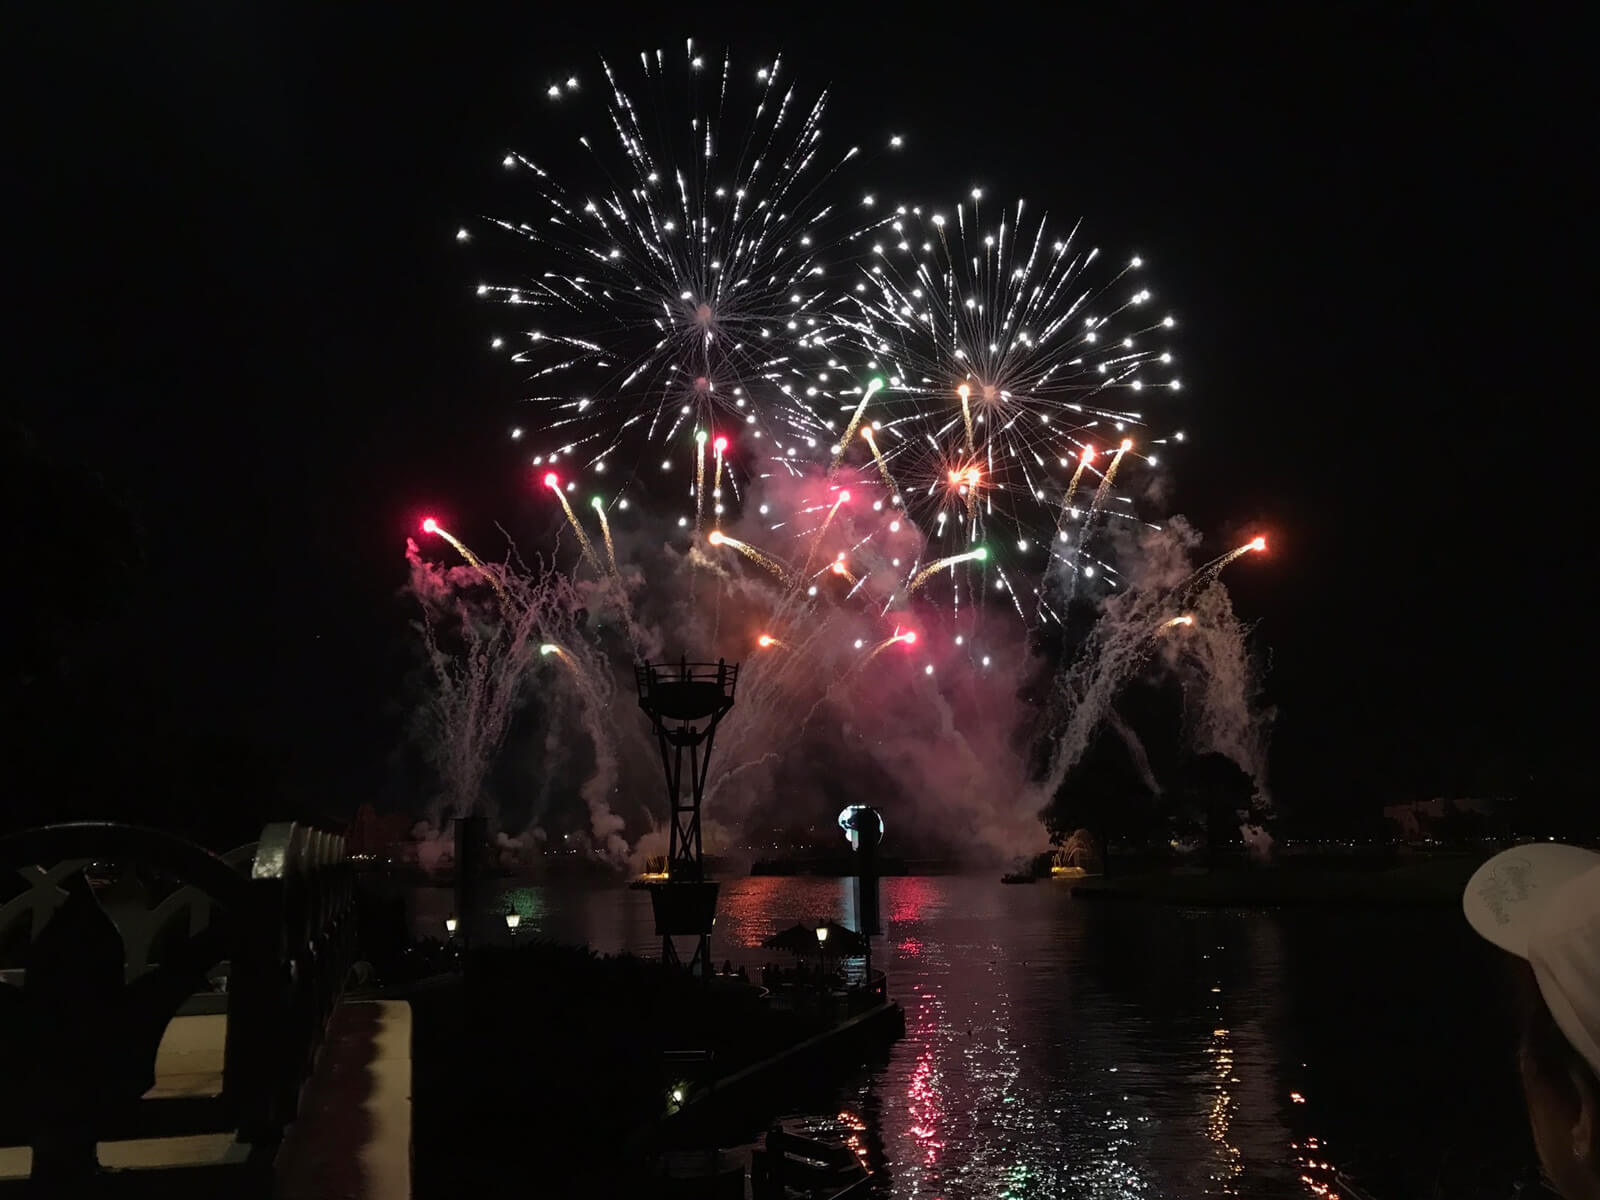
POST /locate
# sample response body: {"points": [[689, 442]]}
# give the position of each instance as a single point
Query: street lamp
{"points": [[450, 926], [822, 936], [512, 921]]}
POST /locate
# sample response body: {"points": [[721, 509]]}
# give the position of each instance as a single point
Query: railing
{"points": [[116, 929]]}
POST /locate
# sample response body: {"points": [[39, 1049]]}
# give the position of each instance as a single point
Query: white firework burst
{"points": [[1007, 357], [674, 273]]}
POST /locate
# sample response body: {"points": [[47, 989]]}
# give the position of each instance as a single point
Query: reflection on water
{"points": [[1107, 1050]]}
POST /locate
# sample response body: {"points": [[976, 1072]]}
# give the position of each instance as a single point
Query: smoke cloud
{"points": [[836, 711]]}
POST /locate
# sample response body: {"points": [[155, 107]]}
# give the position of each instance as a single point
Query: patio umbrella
{"points": [[797, 939]]}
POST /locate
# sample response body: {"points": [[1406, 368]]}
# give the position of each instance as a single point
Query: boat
{"points": [[785, 1162], [788, 1162]]}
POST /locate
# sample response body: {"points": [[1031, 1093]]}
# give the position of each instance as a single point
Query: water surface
{"points": [[1061, 1047]]}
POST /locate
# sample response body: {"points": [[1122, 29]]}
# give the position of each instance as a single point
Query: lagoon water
{"points": [[1076, 1048]]}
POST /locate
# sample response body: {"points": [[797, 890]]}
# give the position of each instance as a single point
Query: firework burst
{"points": [[677, 269], [1009, 354]]}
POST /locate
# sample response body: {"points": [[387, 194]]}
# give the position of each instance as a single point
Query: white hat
{"points": [[1541, 902]]}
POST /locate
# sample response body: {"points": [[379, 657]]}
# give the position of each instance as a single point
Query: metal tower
{"points": [[685, 701]]}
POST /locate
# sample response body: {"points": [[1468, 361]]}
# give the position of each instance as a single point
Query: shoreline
{"points": [[1435, 882]]}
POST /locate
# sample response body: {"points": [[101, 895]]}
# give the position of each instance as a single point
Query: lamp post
{"points": [[512, 921], [450, 926]]}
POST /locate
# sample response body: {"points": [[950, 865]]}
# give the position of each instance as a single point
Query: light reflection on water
{"points": [[1110, 1050]]}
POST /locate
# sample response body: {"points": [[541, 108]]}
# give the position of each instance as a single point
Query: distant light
{"points": [[462, 235], [1137, 261], [450, 925], [986, 660], [516, 433], [928, 670], [513, 920]]}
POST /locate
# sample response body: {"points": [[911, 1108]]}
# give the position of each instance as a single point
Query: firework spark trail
{"points": [[1104, 490], [611, 549], [842, 569], [908, 637], [779, 571], [965, 392], [873, 386], [1096, 505], [883, 467], [720, 445], [1215, 567], [978, 554], [554, 484], [1085, 457], [460, 547], [699, 480]]}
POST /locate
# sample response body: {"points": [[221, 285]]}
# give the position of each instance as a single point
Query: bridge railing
{"points": [[107, 932]]}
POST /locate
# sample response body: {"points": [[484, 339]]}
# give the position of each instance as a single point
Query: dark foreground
{"points": [[552, 1069], [1069, 1048]]}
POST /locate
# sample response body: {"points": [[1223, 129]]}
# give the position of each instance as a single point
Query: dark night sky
{"points": [[236, 297]]}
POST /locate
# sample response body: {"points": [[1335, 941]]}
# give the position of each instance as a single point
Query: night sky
{"points": [[238, 305]]}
